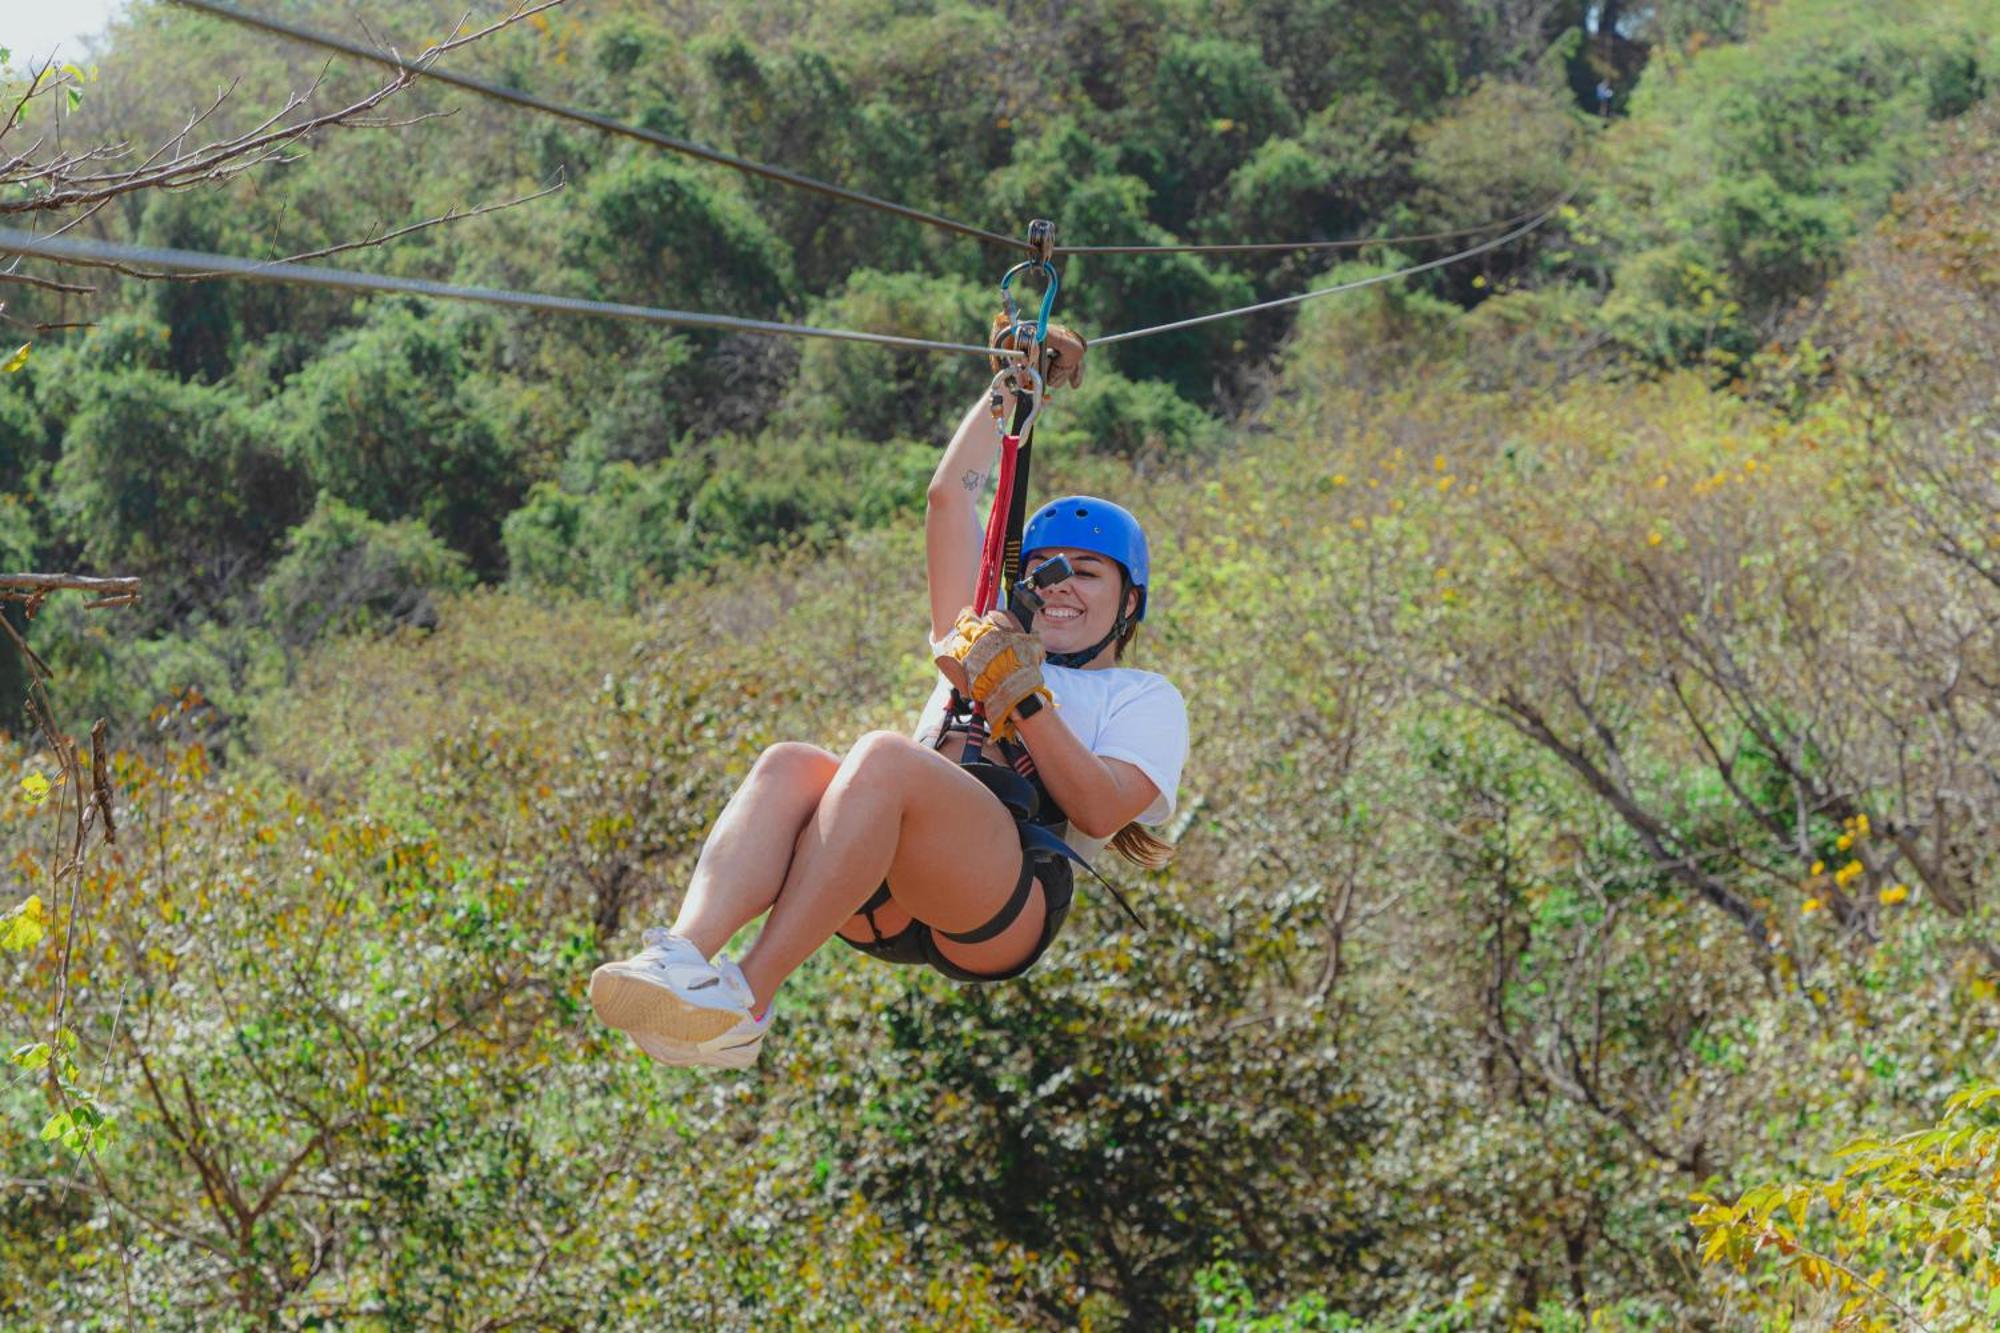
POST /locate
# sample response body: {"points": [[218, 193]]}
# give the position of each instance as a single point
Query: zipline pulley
{"points": [[1041, 249]]}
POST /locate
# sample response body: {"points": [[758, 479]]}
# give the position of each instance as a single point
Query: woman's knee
{"points": [[794, 765], [884, 755]]}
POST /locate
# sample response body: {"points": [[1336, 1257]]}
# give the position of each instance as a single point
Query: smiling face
{"points": [[1082, 608]]}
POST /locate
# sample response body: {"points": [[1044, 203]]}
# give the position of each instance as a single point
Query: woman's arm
{"points": [[1099, 795], [951, 516]]}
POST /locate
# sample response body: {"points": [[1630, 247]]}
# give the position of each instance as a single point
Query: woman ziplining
{"points": [[925, 851]]}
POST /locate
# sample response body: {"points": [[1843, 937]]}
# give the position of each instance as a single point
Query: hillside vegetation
{"points": [[1590, 652]]}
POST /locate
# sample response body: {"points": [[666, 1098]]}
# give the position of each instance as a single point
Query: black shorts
{"points": [[914, 944]]}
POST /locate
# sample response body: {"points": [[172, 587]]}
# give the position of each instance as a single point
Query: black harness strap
{"points": [[1017, 513], [1008, 914]]}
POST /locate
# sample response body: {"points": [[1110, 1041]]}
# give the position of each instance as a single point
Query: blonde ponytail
{"points": [[1145, 850], [1142, 849]]}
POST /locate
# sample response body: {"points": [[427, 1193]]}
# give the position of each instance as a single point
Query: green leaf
{"points": [[60, 1126], [31, 1057]]}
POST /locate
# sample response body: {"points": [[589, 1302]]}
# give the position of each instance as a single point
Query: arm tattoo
{"points": [[974, 479]]}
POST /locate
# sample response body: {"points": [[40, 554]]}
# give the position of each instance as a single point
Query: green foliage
{"points": [[1345, 167], [650, 231], [802, 108], [390, 421], [1745, 172], [343, 572], [636, 528], [158, 473], [1126, 419], [1504, 150], [1215, 101], [878, 391]]}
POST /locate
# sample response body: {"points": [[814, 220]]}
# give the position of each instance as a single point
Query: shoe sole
{"points": [[631, 1005], [688, 1057]]}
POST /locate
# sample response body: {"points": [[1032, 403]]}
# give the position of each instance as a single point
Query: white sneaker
{"points": [[669, 991]]}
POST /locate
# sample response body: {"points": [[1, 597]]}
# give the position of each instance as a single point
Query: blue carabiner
{"points": [[1048, 271]]}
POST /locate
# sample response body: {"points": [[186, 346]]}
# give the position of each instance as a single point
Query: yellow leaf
{"points": [[35, 788], [1718, 1241], [19, 359], [24, 927]]}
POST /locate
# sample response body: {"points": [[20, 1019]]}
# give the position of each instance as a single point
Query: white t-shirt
{"points": [[1118, 713]]}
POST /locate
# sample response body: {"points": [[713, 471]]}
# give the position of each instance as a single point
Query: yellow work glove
{"points": [[1062, 352], [995, 664]]}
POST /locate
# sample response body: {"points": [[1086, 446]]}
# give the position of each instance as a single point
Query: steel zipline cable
{"points": [[1268, 247], [1301, 297], [74, 250], [781, 175]]}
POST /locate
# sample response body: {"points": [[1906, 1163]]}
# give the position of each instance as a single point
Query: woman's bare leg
{"points": [[899, 811], [748, 852]]}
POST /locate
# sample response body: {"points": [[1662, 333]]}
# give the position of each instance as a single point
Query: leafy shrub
{"points": [[390, 420], [637, 528], [1125, 419], [157, 473], [343, 572], [879, 392]]}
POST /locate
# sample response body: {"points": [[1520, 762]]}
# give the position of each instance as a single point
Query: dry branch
{"points": [[45, 178]]}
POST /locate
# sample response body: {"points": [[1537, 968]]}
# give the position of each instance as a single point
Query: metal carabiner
{"points": [[1048, 272], [1009, 380]]}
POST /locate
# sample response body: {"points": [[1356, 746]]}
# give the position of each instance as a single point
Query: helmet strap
{"points": [[1084, 656]]}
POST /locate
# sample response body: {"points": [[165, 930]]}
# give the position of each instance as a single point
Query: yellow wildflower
{"points": [[1810, 905], [1819, 868], [1894, 894], [1444, 483], [1653, 539], [1848, 873], [1861, 826], [1843, 842]]}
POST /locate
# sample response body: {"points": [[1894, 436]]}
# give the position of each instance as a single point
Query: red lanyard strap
{"points": [[1000, 550], [993, 551]]}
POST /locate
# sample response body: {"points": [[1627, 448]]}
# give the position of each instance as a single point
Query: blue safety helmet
{"points": [[1086, 523]]}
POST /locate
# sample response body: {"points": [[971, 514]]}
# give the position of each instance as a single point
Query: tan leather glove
{"points": [[1062, 352], [1062, 357], [996, 664]]}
